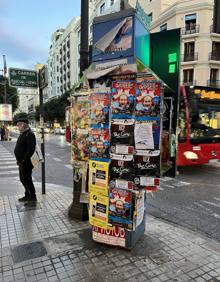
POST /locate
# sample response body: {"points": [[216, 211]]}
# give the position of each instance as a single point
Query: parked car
{"points": [[63, 130], [56, 130]]}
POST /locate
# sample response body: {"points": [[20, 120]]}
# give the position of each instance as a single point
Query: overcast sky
{"points": [[26, 27]]}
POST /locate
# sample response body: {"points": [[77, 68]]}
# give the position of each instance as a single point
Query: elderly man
{"points": [[23, 151]]}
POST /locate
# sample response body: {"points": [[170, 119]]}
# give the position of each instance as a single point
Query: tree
{"points": [[12, 94]]}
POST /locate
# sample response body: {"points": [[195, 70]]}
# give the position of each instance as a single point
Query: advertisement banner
{"points": [[5, 112], [98, 176], [98, 210], [114, 236]]}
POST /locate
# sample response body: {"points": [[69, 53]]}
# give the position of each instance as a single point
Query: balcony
{"points": [[68, 74], [213, 83], [68, 54], [214, 56], [60, 51], [68, 64], [190, 29], [68, 44], [61, 61], [189, 83], [64, 77], [61, 71], [189, 57]]}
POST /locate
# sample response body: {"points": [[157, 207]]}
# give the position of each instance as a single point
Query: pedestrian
{"points": [[3, 133], [23, 151]]}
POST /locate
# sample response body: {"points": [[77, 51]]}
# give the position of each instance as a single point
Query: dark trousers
{"points": [[25, 173]]}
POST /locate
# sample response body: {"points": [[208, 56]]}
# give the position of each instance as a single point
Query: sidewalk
{"points": [[40, 243]]}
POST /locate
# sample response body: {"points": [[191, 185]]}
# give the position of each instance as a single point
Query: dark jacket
{"points": [[25, 146]]}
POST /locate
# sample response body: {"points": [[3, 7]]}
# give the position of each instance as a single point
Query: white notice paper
{"points": [[143, 134]]}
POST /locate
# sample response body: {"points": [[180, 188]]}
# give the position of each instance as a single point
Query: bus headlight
{"points": [[191, 155]]}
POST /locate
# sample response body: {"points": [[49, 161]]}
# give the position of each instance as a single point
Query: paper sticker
{"points": [[120, 202], [147, 99], [123, 94], [143, 135], [98, 176], [98, 210], [99, 109], [99, 143], [114, 236], [122, 131]]}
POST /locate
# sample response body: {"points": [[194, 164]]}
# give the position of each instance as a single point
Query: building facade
{"points": [[200, 46]]}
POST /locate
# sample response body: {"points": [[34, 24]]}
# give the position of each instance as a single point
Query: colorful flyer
{"points": [[80, 113], [123, 95], [120, 204], [122, 131], [98, 210], [148, 99], [98, 176], [114, 236], [121, 167], [80, 145], [99, 109], [99, 143]]}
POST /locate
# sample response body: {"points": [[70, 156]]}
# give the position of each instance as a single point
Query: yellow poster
{"points": [[98, 177], [98, 210]]}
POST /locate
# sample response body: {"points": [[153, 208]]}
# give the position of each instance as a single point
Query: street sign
{"points": [[43, 77], [23, 78]]}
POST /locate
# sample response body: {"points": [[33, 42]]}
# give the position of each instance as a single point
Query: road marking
{"points": [[201, 206], [9, 172], [57, 159], [169, 186], [7, 162], [160, 188], [69, 166], [7, 159], [211, 204], [47, 154], [217, 199], [8, 166], [216, 215]]}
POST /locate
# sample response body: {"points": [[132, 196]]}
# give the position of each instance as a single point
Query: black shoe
{"points": [[24, 199], [32, 199]]}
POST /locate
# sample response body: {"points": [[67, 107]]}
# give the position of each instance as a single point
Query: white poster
{"points": [[5, 112], [143, 134]]}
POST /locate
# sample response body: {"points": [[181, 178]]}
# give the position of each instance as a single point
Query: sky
{"points": [[26, 27]]}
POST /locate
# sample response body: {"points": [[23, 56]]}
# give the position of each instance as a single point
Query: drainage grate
{"points": [[28, 207], [28, 251]]}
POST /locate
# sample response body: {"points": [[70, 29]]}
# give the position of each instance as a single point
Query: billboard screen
{"points": [[112, 38], [5, 112], [142, 43]]}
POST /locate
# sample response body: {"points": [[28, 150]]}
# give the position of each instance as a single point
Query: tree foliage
{"points": [[12, 94], [54, 109]]}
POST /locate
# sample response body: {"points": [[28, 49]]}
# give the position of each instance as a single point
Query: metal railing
{"points": [[189, 83], [213, 83], [190, 29], [214, 56], [190, 57]]}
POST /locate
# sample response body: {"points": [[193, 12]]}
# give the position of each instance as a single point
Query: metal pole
{"points": [[84, 36], [42, 139]]}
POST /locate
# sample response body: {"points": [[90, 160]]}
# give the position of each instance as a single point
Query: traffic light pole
{"points": [[42, 139]]}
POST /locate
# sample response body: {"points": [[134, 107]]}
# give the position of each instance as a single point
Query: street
{"points": [[192, 199]]}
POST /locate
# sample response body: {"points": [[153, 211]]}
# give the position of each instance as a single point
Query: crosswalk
{"points": [[8, 166]]}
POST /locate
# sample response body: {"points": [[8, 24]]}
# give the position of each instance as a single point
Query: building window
{"points": [[58, 90], [79, 48], [57, 58], [150, 16], [102, 8], [112, 2], [189, 51], [188, 75], [57, 78], [190, 21], [163, 27], [213, 74], [90, 28], [79, 33]]}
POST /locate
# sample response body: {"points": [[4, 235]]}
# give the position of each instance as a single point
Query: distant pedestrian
{"points": [[23, 151], [3, 133]]}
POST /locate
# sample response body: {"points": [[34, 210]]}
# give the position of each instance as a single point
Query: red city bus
{"points": [[198, 126]]}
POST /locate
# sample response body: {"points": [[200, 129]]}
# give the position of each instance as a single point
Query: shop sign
{"points": [[212, 95]]}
